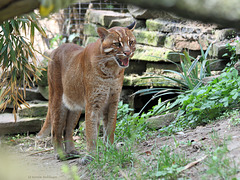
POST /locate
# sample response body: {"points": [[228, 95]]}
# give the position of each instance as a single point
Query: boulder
{"points": [[104, 18], [156, 54], [152, 38], [158, 122], [22, 125], [37, 109]]}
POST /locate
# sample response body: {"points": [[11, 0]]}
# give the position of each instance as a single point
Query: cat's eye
{"points": [[118, 44], [131, 42]]}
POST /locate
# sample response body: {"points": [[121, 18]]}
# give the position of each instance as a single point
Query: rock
{"points": [[89, 40], [140, 13], [148, 80], [90, 29], [206, 80], [37, 109], [104, 18], [180, 42], [157, 54], [152, 38], [44, 91], [156, 24], [222, 34], [32, 94], [121, 22], [158, 122], [218, 50], [218, 64], [25, 125], [237, 67]]}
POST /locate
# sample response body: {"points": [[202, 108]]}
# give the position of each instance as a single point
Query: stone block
{"points": [[148, 80], [156, 24], [222, 34], [37, 109], [218, 50], [104, 18], [158, 122], [218, 64], [152, 38], [121, 22], [185, 41], [90, 29], [157, 54], [140, 13], [32, 94], [22, 125]]}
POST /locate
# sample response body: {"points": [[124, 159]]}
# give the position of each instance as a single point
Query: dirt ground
{"points": [[23, 156]]}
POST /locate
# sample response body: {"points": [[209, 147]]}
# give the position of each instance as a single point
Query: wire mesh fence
{"points": [[73, 16]]}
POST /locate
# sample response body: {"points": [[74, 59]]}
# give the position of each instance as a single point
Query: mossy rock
{"points": [[152, 38], [148, 80], [156, 54], [90, 29], [37, 109], [155, 24]]}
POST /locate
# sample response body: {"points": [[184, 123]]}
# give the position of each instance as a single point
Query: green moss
{"points": [[155, 24], [90, 30], [149, 37], [148, 53]]}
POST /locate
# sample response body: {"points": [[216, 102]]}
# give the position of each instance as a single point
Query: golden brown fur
{"points": [[89, 78]]}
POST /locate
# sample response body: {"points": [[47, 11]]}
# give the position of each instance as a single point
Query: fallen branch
{"points": [[46, 150], [192, 164]]}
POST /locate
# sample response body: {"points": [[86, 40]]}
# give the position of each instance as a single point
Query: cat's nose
{"points": [[127, 53]]}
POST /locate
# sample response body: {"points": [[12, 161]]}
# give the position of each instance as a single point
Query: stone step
{"points": [[37, 109], [155, 54], [105, 18], [152, 38], [189, 27], [22, 125], [148, 80]]}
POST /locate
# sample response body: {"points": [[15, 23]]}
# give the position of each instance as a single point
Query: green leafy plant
{"points": [[208, 102], [231, 54], [189, 76], [17, 58]]}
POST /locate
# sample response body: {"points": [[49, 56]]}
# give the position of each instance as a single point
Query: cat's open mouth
{"points": [[123, 62]]}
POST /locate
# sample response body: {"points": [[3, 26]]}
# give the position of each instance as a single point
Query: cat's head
{"points": [[118, 43]]}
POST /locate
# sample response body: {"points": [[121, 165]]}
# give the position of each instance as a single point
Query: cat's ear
{"points": [[132, 26], [102, 32]]}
